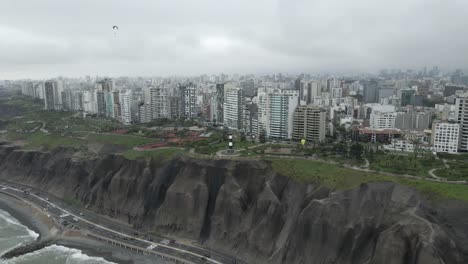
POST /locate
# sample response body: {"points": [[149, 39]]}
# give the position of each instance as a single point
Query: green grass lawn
{"points": [[454, 157], [457, 171], [404, 164], [157, 154], [208, 148], [337, 177], [39, 139], [128, 141]]}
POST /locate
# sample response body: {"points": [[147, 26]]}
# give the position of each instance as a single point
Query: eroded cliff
{"points": [[246, 208]]}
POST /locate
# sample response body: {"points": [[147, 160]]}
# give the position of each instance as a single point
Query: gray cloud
{"points": [[52, 37]]}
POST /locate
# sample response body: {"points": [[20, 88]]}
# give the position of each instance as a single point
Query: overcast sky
{"points": [[47, 38]]}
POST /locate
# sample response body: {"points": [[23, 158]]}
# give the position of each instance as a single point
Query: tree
{"points": [[370, 155], [356, 151], [262, 136], [242, 136], [340, 148], [225, 134]]}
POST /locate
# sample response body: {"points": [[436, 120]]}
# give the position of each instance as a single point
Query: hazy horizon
{"points": [[53, 38]]}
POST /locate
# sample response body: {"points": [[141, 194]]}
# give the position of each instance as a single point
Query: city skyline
{"points": [[192, 38]]}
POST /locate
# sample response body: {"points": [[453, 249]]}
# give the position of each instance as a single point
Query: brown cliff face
{"points": [[245, 208]]}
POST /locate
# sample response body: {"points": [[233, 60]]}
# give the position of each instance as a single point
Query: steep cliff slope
{"points": [[246, 208]]}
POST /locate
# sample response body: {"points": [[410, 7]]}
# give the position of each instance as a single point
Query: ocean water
{"points": [[13, 233]]}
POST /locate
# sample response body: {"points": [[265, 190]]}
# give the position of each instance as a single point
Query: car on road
{"points": [[172, 241], [81, 214]]}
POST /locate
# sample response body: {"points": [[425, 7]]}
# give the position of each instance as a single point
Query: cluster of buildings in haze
{"points": [[402, 109]]}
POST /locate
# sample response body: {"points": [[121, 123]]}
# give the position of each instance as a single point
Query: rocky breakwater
{"points": [[247, 209], [25, 249]]}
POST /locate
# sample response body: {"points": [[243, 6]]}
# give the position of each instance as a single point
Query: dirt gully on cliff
{"points": [[245, 208]]}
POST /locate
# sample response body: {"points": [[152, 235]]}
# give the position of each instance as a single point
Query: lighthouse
{"points": [[230, 144]]}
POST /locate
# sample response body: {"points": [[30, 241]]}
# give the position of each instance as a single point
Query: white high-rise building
{"points": [[233, 106], [262, 95], [77, 101], [89, 102], [156, 103], [39, 90], [126, 106], [445, 137], [461, 116], [280, 112], [337, 92], [314, 90], [53, 95], [188, 103], [382, 120]]}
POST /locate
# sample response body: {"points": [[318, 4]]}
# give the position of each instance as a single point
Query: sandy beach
{"points": [[38, 221]]}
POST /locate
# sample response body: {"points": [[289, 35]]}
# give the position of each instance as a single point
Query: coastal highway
{"points": [[97, 225]]}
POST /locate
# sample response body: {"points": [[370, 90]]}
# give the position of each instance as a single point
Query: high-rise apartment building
{"points": [[337, 92], [109, 104], [156, 103], [106, 85], [174, 107], [382, 120], [27, 89], [53, 95], [262, 114], [445, 137], [370, 91], [308, 90], [280, 110], [406, 96], [385, 90], [117, 111], [89, 102], [234, 104], [313, 90], [248, 86], [67, 97], [39, 90], [217, 104], [77, 101], [104, 97], [126, 106], [250, 119], [100, 102], [309, 122], [188, 106], [461, 116], [413, 120]]}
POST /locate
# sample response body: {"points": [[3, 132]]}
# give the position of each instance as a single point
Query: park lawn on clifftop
{"points": [[456, 172], [40, 139], [336, 177], [124, 140], [404, 164], [208, 148], [156, 154]]}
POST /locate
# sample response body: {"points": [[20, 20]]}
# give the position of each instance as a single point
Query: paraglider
{"points": [[115, 28]]}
